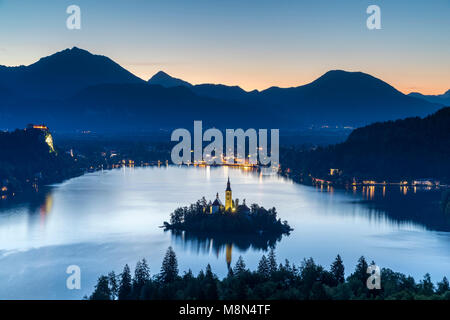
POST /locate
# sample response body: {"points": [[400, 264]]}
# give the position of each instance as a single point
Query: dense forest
{"points": [[412, 148], [271, 280], [27, 159], [445, 202], [244, 220]]}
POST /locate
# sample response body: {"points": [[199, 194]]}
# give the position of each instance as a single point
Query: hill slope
{"points": [[163, 79], [440, 98], [345, 98], [30, 160], [336, 98], [411, 148], [63, 74]]}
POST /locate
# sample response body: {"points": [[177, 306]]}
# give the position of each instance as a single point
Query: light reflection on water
{"points": [[103, 220]]}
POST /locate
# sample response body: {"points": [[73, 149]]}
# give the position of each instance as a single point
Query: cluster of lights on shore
{"points": [[212, 154]]}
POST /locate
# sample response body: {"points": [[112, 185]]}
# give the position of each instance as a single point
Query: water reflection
{"points": [[103, 220], [420, 205], [216, 244], [46, 206], [35, 203], [399, 204]]}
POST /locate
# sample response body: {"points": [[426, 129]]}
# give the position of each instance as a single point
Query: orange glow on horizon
{"points": [[426, 78], [262, 79]]}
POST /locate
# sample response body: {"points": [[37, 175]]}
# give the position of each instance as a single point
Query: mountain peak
{"points": [[64, 73], [340, 80], [70, 52], [71, 56], [75, 48], [161, 73], [342, 74], [163, 79]]}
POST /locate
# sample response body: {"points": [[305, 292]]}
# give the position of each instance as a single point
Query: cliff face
{"points": [[28, 158]]}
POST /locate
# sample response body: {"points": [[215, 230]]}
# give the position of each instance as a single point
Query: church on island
{"points": [[230, 206]]}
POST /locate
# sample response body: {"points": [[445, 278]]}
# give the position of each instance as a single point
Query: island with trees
{"points": [[231, 218], [256, 220]]}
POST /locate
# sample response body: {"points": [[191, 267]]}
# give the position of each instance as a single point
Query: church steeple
{"points": [[228, 197]]}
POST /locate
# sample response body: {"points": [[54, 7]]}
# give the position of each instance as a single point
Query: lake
{"points": [[103, 220]]}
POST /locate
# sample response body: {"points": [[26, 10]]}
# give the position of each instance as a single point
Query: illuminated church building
{"points": [[228, 200], [230, 207], [230, 204]]}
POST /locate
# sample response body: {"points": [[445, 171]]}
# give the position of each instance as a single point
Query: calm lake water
{"points": [[103, 220]]}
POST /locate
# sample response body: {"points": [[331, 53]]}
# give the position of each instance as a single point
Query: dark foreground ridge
{"points": [[308, 281]]}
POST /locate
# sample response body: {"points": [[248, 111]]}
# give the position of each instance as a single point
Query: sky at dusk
{"points": [[253, 44]]}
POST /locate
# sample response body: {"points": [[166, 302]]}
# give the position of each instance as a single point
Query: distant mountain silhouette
{"points": [[163, 79], [5, 93], [141, 106], [75, 89], [336, 98], [217, 91], [220, 91], [63, 74], [440, 98], [339, 97]]}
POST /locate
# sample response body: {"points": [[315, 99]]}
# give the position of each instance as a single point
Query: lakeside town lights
{"points": [[257, 147]]}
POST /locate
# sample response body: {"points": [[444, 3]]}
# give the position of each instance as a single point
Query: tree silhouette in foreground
{"points": [[338, 270], [125, 287], [308, 281], [169, 268]]}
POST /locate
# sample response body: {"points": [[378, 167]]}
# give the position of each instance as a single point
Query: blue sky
{"points": [[254, 44]]}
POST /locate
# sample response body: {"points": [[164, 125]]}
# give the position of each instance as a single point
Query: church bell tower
{"points": [[228, 197]]}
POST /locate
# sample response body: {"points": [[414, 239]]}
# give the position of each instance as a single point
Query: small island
{"points": [[231, 218]]}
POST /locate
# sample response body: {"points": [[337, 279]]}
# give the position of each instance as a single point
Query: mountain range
{"points": [[74, 89], [439, 98]]}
